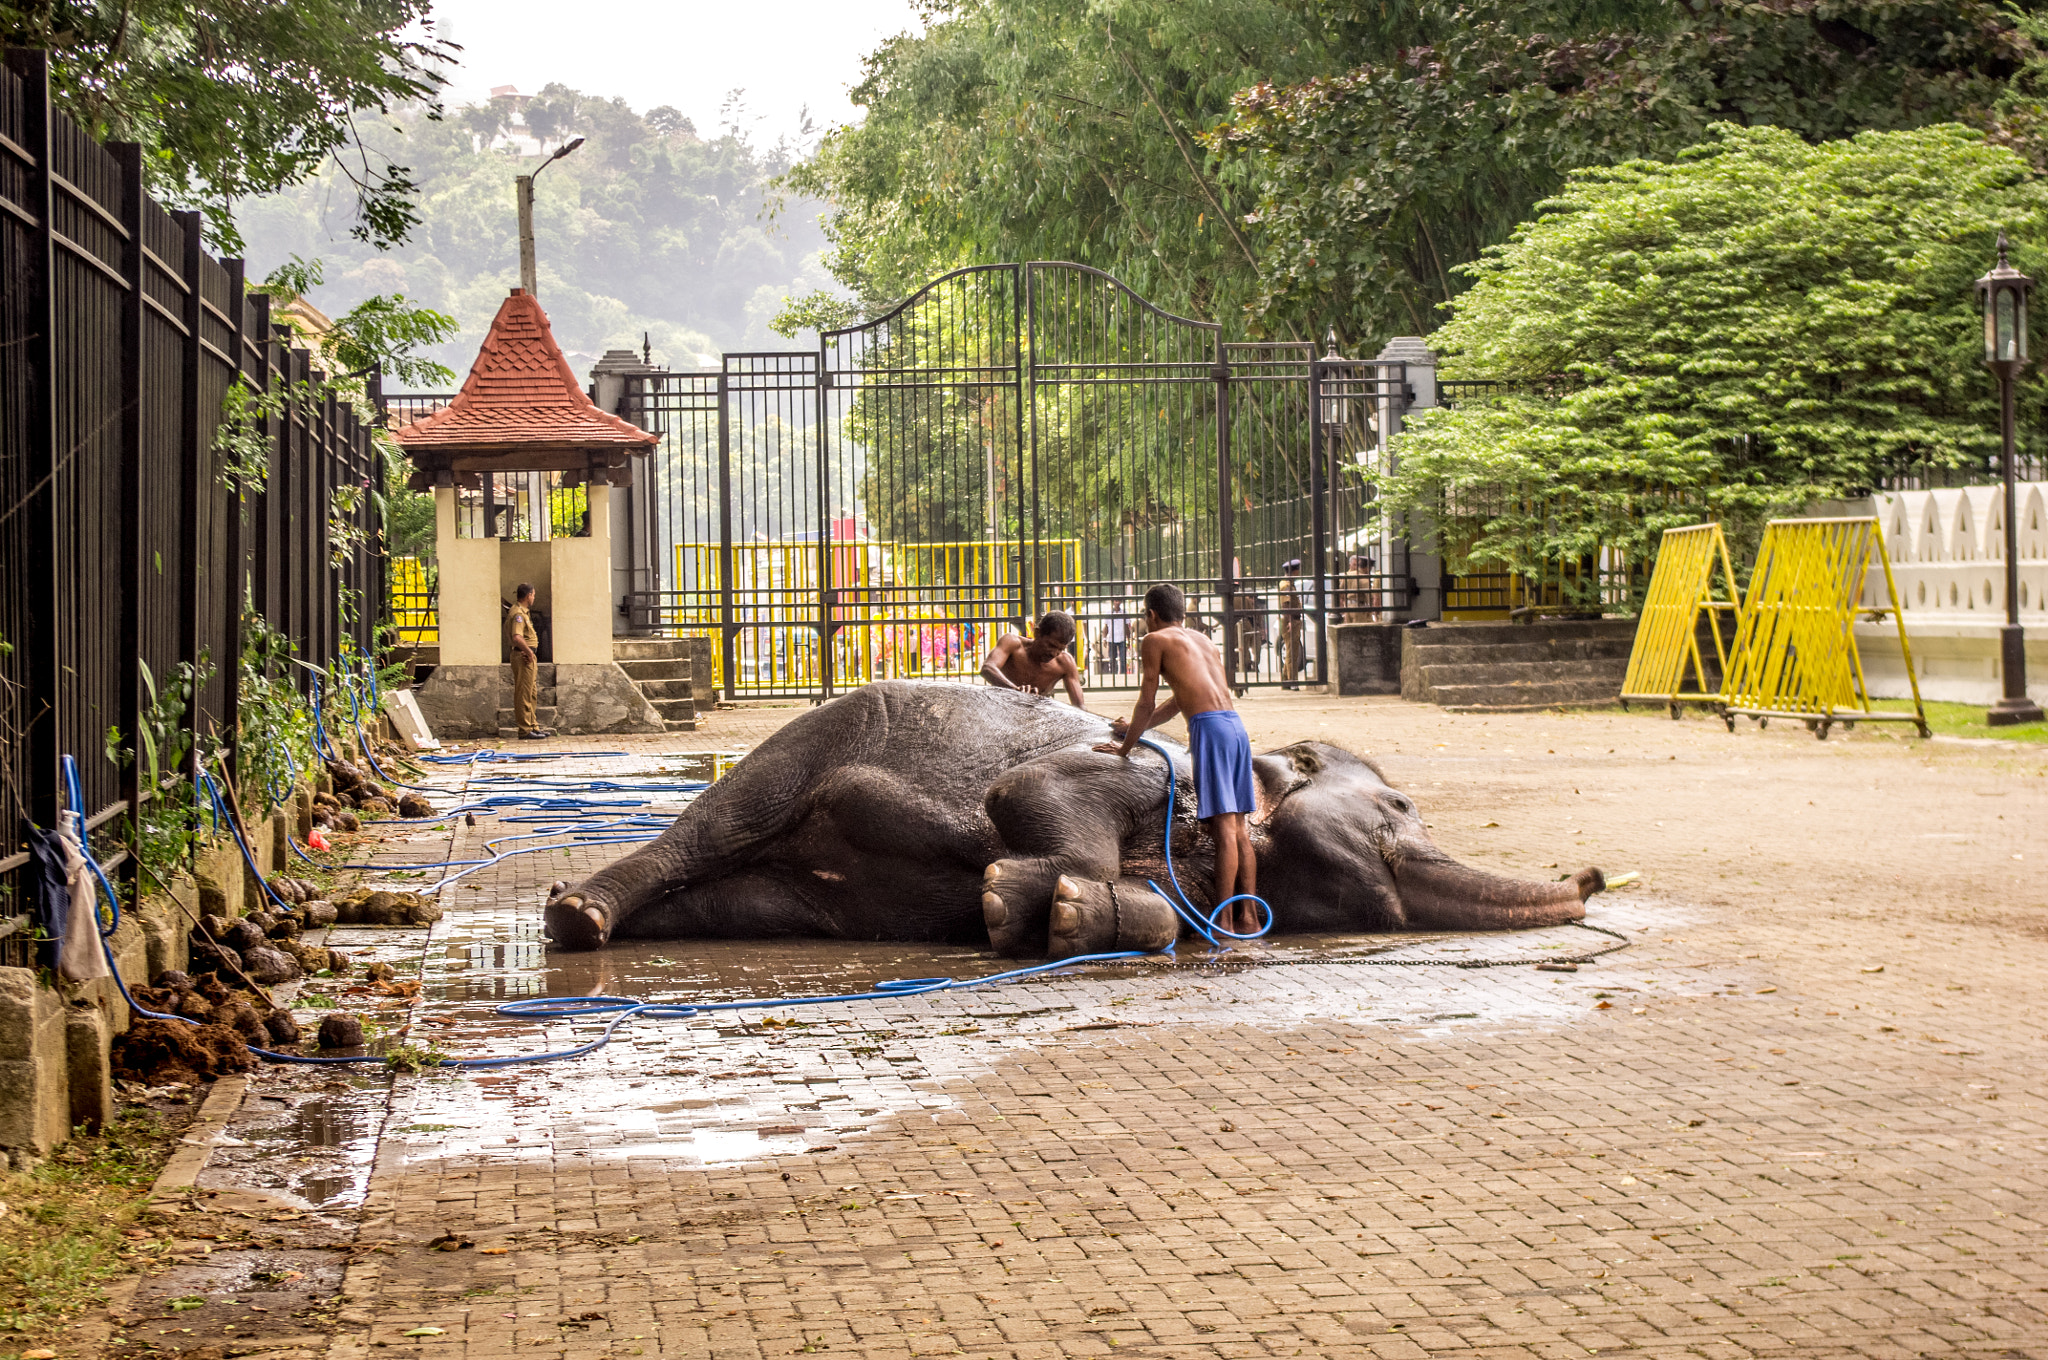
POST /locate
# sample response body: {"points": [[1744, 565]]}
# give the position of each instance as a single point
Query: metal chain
{"points": [[1376, 962]]}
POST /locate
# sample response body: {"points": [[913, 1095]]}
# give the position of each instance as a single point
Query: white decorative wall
{"points": [[1947, 551]]}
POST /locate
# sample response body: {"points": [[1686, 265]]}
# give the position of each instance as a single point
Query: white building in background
{"points": [[1947, 551]]}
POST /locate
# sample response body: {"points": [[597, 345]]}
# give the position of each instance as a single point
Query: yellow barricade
{"points": [[1795, 640], [1667, 633]]}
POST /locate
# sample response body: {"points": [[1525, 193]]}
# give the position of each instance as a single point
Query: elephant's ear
{"points": [[1303, 756]]}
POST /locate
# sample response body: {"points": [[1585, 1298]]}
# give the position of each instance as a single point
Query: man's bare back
{"points": [[1217, 744]]}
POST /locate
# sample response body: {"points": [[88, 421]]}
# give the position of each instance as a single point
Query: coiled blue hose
{"points": [[1206, 927]]}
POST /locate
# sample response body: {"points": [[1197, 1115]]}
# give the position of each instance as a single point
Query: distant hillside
{"points": [[647, 228]]}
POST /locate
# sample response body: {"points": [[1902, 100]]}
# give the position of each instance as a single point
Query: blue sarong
{"points": [[1222, 752]]}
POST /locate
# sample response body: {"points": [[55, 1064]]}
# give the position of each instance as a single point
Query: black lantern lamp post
{"points": [[2003, 293], [1336, 411]]}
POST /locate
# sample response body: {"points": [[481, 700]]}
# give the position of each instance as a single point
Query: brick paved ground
{"points": [[1737, 1137]]}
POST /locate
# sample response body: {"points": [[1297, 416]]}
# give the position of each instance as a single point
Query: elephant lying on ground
{"points": [[917, 811]]}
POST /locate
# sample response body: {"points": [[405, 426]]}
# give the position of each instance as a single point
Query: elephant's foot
{"points": [[576, 920], [1014, 896], [1090, 917]]}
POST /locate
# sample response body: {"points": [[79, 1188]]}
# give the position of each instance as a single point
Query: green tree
{"points": [[648, 229], [1757, 325], [1053, 129], [237, 100], [1446, 121]]}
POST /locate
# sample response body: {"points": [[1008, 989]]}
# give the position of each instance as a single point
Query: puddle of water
{"points": [[305, 1136]]}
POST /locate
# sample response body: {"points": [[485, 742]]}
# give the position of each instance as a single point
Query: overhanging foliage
{"points": [[1757, 325]]}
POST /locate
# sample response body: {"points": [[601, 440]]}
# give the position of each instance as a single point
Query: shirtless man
{"points": [[1222, 750], [1039, 664]]}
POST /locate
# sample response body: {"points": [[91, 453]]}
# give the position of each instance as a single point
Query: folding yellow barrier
{"points": [[1667, 633], [1795, 639]]}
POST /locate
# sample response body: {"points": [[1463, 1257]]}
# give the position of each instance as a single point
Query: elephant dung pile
{"points": [[366, 908], [264, 947], [354, 792]]}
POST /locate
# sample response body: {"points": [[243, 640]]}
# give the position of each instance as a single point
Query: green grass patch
{"points": [[65, 1231], [1964, 720]]}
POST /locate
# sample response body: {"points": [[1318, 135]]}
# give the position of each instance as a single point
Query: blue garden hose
{"points": [[620, 1009], [1206, 927]]}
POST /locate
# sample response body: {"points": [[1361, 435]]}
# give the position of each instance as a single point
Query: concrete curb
{"points": [[181, 1172]]}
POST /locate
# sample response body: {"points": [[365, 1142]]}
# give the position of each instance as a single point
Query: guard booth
{"points": [[521, 464]]}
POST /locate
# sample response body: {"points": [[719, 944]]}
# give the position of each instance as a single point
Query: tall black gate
{"points": [[1012, 439]]}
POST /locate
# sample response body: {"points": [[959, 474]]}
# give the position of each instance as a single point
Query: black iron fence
{"points": [[123, 543], [1011, 439]]}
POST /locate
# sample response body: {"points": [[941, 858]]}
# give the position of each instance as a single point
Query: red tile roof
{"points": [[521, 396]]}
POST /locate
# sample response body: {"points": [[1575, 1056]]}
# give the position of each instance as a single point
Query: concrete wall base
{"points": [[1366, 658], [1955, 662], [56, 1042], [464, 701]]}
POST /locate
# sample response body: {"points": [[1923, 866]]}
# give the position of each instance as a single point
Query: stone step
{"points": [[1534, 694], [1565, 649], [664, 689], [1495, 634], [666, 669], [674, 710], [1524, 672], [648, 649], [681, 724]]}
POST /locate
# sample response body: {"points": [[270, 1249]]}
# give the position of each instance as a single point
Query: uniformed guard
{"points": [[1291, 625], [525, 665]]}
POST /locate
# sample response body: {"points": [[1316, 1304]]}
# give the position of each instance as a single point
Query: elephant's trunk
{"points": [[1438, 893]]}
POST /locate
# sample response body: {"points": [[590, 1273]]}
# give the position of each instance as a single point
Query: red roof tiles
{"points": [[521, 397]]}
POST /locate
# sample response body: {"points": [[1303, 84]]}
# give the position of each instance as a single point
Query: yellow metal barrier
{"points": [[903, 610], [1667, 631], [413, 619], [1795, 639]]}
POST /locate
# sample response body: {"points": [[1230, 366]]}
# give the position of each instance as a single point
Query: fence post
{"points": [[1417, 391], [818, 381], [1226, 521], [37, 647], [1318, 484], [1027, 460], [727, 628], [192, 451], [228, 608], [134, 265]]}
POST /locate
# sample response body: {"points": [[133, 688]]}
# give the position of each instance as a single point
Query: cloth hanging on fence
{"points": [[67, 901]]}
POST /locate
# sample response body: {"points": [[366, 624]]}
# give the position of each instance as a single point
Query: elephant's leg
{"points": [[752, 903], [1064, 819], [727, 828], [1089, 917]]}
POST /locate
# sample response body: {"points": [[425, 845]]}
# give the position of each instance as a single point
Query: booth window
{"points": [[523, 507]]}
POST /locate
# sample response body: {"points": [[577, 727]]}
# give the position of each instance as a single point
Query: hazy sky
{"points": [[785, 53]]}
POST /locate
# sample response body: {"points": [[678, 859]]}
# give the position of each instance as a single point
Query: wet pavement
{"points": [[1737, 1135]]}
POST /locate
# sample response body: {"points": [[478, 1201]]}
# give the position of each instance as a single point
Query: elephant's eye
{"points": [[1402, 805]]}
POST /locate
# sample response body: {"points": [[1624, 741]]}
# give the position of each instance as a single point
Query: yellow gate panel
{"points": [[413, 618], [899, 610], [1667, 631], [1795, 650]]}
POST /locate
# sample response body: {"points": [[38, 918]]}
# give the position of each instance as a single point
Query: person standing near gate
{"points": [[1291, 629], [1116, 635], [525, 664]]}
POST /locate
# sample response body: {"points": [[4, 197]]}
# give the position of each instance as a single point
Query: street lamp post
{"points": [[2003, 292], [522, 192]]}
